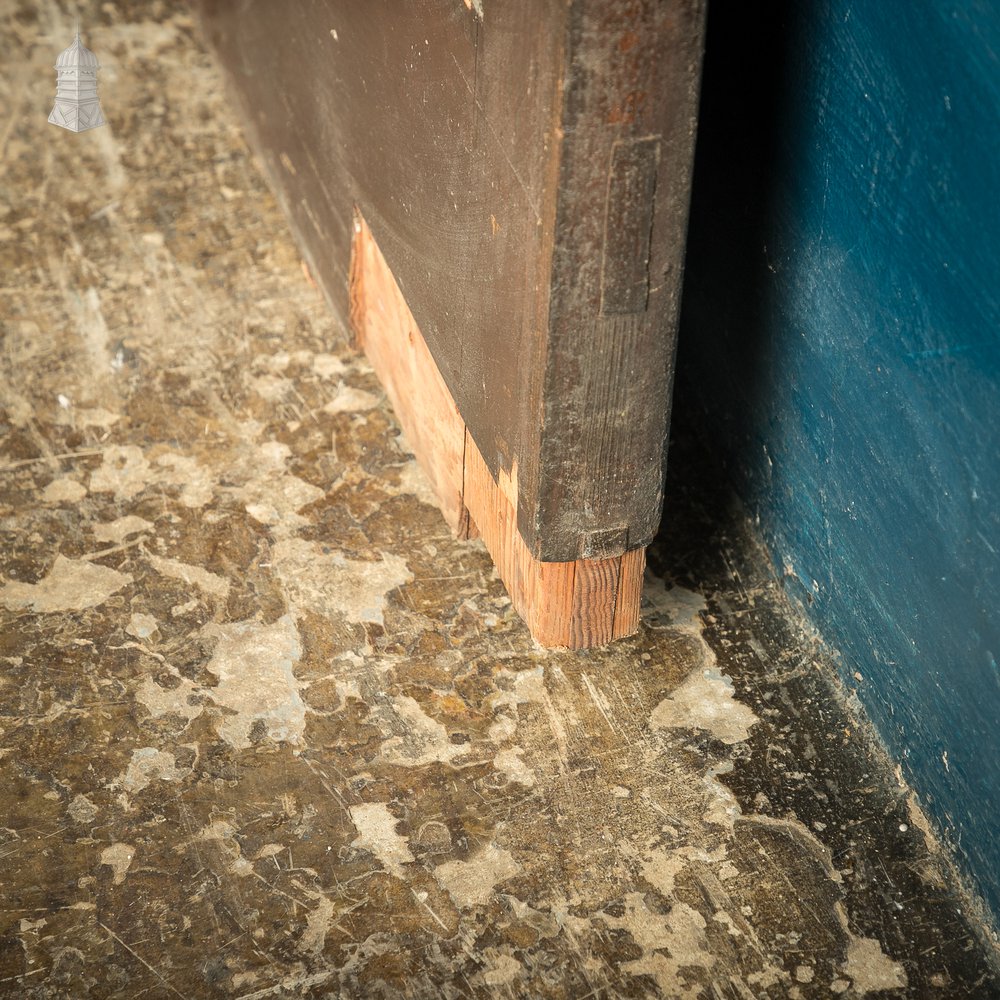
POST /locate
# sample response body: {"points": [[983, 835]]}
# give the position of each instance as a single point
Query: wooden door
{"points": [[512, 179]]}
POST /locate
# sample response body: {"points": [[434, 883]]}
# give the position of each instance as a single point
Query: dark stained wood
{"points": [[629, 125], [525, 173], [628, 228]]}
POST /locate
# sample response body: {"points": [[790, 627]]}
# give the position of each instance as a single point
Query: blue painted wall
{"points": [[841, 332]]}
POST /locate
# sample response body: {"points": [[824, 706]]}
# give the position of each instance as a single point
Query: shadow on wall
{"points": [[747, 79], [727, 295]]}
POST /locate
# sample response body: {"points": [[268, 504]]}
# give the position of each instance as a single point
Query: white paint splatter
{"points": [[471, 883], [770, 975], [870, 968], [254, 664], [195, 576], [348, 399], [276, 500], [376, 827], [148, 765], [418, 738], [275, 363], [84, 416], [141, 626], [722, 807], [503, 729], [678, 607], [509, 762], [223, 834], [71, 585], [64, 490], [197, 485], [124, 471], [521, 687], [671, 945], [318, 921], [413, 479], [705, 701], [118, 530], [273, 388], [118, 857], [661, 868], [177, 700], [503, 969], [273, 455], [328, 365], [182, 609], [82, 810], [329, 583]]}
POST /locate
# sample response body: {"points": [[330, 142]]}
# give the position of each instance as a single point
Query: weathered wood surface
{"points": [[628, 120], [525, 171], [575, 603]]}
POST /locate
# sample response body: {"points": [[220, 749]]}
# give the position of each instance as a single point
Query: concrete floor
{"points": [[267, 730]]}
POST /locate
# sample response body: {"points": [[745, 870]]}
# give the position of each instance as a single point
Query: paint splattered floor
{"points": [[266, 730]]}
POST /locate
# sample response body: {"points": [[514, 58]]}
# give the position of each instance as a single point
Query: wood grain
{"points": [[385, 329], [629, 596], [578, 603]]}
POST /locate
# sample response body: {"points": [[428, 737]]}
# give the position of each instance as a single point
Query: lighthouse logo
{"points": [[77, 107]]}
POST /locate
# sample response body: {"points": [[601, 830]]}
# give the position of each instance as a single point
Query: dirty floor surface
{"points": [[266, 730]]}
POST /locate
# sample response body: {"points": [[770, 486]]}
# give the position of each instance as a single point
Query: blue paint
{"points": [[841, 330]]}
